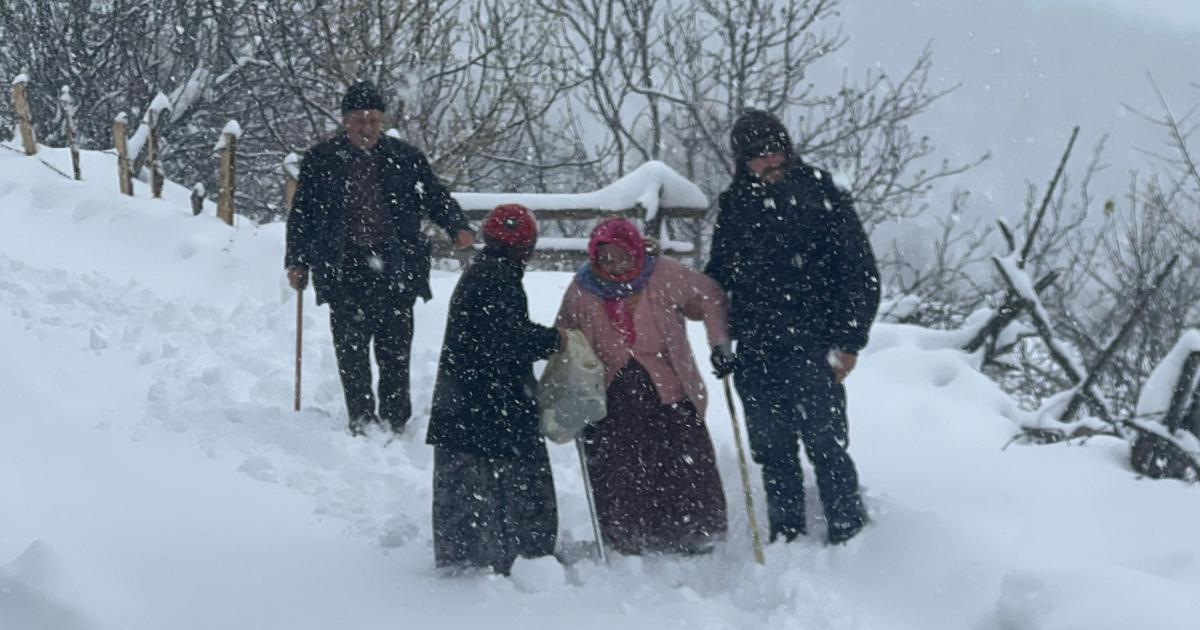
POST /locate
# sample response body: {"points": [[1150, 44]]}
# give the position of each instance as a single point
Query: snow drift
{"points": [[152, 474]]}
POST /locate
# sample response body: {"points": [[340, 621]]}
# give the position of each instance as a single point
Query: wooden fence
{"points": [[145, 141], [148, 141], [552, 250]]}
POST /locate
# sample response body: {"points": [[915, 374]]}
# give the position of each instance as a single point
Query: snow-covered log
{"points": [[1172, 393]]}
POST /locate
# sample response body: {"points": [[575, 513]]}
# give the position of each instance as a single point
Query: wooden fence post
{"points": [[198, 192], [227, 145], [291, 173], [24, 118], [652, 220], [68, 108], [156, 178], [125, 181]]}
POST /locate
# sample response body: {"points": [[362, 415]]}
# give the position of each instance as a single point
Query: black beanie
{"points": [[756, 132], [362, 95]]}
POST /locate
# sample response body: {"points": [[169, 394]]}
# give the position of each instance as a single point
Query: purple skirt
{"points": [[653, 471]]}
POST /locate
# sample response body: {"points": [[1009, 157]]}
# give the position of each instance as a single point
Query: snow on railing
{"points": [[651, 186], [651, 193]]}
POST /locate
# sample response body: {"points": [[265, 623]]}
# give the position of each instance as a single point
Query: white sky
{"points": [[1028, 71], [1181, 14]]}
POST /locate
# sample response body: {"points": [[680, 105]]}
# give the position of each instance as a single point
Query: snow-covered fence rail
{"points": [[651, 194]]}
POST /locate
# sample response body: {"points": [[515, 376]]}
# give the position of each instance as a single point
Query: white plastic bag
{"points": [[571, 392]]}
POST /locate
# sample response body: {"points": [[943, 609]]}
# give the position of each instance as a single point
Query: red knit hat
{"points": [[510, 226]]}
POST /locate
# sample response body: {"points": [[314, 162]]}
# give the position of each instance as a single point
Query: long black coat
{"points": [[316, 225], [797, 262], [484, 399]]}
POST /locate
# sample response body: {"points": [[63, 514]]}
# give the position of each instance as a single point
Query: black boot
{"points": [[846, 519], [788, 532], [359, 423], [842, 531]]}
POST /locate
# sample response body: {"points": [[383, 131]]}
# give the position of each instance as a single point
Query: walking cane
{"points": [[587, 488], [737, 439], [299, 340]]}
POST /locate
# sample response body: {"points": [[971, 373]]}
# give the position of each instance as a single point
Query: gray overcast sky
{"points": [[1182, 14], [1029, 70]]}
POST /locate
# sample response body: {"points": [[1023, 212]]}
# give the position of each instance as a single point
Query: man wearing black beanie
{"points": [[804, 289], [355, 225]]}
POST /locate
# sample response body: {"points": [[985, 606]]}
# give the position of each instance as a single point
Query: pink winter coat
{"points": [[673, 292]]}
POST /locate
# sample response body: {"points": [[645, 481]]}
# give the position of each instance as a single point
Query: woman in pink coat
{"points": [[651, 461]]}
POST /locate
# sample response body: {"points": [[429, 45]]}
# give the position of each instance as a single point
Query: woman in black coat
{"points": [[493, 494]]}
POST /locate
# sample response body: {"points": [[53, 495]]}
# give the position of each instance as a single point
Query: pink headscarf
{"points": [[623, 234]]}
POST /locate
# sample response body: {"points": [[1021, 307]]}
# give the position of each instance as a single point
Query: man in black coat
{"points": [[804, 289], [493, 493], [355, 225]]}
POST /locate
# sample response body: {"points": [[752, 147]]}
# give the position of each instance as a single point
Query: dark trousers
{"points": [[372, 307], [791, 396]]}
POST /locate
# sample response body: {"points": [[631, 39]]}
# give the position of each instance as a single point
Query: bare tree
{"points": [[946, 289], [558, 95]]}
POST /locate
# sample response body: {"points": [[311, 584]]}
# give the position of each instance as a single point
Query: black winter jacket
{"points": [[796, 262], [484, 399], [316, 225]]}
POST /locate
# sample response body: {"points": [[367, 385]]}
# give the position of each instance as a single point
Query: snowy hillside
{"points": [[153, 475]]}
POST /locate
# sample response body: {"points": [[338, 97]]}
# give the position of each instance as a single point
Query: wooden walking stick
{"points": [[299, 340], [741, 453]]}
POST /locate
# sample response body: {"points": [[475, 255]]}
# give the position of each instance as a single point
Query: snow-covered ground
{"points": [[153, 475]]}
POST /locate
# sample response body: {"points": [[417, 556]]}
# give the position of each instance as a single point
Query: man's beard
{"points": [[773, 175], [366, 141]]}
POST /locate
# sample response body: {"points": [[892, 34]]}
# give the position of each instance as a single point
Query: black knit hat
{"points": [[756, 133], [362, 95]]}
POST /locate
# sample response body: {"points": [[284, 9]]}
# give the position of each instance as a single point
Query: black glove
{"points": [[723, 360]]}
